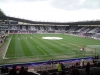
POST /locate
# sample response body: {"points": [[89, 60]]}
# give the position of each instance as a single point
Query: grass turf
{"points": [[32, 45]]}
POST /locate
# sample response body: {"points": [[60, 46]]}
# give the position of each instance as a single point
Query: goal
{"points": [[93, 49]]}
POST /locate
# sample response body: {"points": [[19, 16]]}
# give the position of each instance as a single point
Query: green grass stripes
{"points": [[39, 44], [35, 46], [26, 50], [32, 47], [11, 48], [18, 47], [48, 46]]}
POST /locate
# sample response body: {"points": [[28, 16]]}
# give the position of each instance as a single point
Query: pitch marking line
{"points": [[25, 57], [42, 50], [36, 56], [6, 49], [33, 56]]}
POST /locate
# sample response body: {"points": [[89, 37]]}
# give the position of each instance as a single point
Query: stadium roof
{"points": [[56, 23], [4, 17]]}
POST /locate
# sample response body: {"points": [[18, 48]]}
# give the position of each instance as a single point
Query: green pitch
{"points": [[35, 47]]}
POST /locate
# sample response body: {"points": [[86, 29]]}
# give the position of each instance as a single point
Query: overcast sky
{"points": [[52, 10]]}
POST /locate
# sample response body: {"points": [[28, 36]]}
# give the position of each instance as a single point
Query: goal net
{"points": [[93, 49]]}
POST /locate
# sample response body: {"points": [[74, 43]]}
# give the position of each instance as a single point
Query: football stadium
{"points": [[41, 45]]}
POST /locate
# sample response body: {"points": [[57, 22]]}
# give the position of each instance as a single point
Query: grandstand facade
{"points": [[21, 26]]}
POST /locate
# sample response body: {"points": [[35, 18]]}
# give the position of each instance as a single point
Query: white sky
{"points": [[52, 10]]}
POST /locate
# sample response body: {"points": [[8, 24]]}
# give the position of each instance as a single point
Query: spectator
{"points": [[74, 71], [6, 69], [98, 64], [77, 64], [59, 67], [52, 61], [13, 71], [82, 62], [45, 73], [88, 68], [23, 71], [62, 66], [49, 62], [18, 67], [54, 74], [2, 70], [73, 66], [62, 73], [97, 57], [30, 73], [93, 60]]}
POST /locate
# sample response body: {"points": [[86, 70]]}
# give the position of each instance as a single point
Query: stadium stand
{"points": [[92, 69], [11, 25]]}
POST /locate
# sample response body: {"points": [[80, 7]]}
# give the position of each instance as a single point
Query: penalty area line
{"points": [[6, 49], [41, 50]]}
